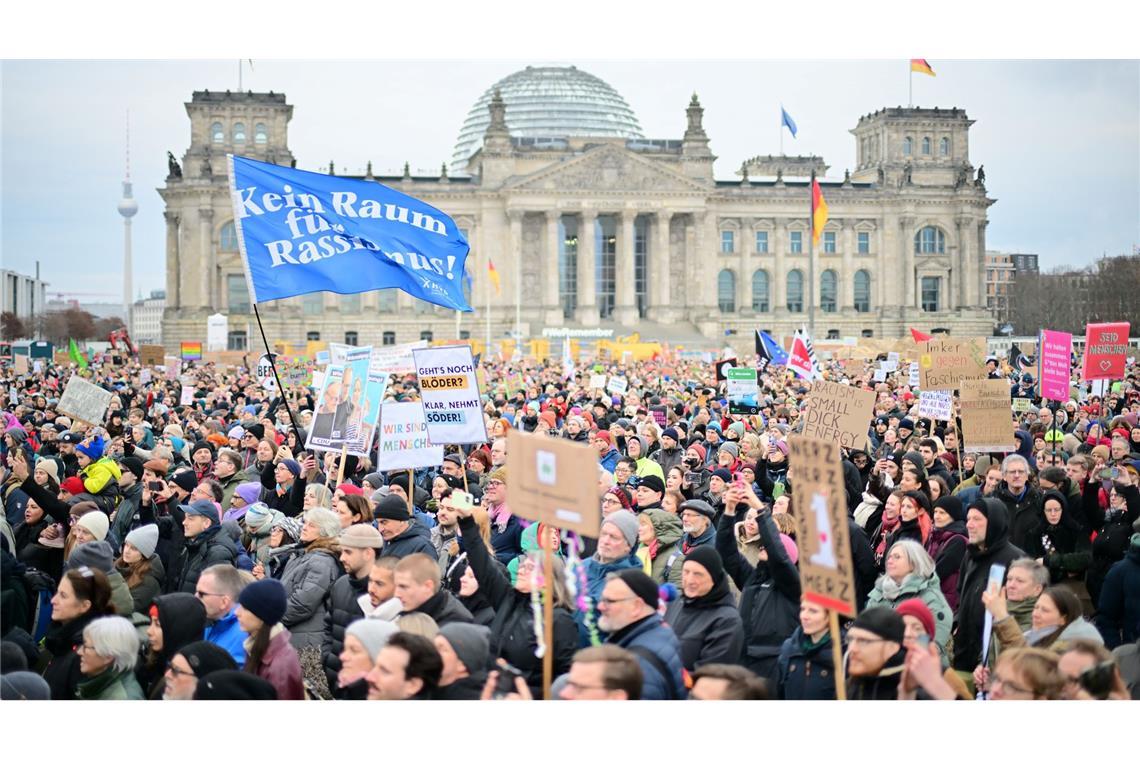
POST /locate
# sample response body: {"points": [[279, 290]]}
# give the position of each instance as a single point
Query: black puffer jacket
{"points": [[417, 538], [208, 548], [182, 618], [341, 610], [770, 593], [1114, 530], [708, 627]]}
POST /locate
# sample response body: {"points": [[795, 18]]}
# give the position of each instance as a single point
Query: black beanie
{"points": [[392, 507], [641, 585], [883, 622], [206, 658], [234, 684], [708, 558], [134, 465], [257, 429], [202, 445], [266, 599], [952, 506], [186, 480], [653, 483]]}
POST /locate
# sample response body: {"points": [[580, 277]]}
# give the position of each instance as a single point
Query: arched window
{"points": [[760, 291], [239, 132], [828, 291], [944, 147], [862, 291], [908, 146], [795, 291], [217, 132], [227, 238], [260, 134], [926, 146], [726, 291], [929, 240]]}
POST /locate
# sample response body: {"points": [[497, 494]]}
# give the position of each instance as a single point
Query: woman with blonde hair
{"points": [[317, 495], [1027, 673], [418, 624]]}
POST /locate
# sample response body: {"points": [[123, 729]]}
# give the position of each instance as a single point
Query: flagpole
{"points": [[811, 254], [910, 87], [487, 306], [781, 130]]}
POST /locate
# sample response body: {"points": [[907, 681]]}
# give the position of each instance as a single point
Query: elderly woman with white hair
{"points": [[309, 576], [910, 575], [107, 660]]}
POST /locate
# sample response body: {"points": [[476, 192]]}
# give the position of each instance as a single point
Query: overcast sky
{"points": [[1060, 140]]}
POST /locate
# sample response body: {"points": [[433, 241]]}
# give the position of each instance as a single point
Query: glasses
{"points": [[178, 671], [85, 647], [494, 484], [611, 500], [604, 602], [996, 680], [862, 641]]}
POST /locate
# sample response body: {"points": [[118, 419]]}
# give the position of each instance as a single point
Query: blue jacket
{"points": [[227, 634], [1118, 609], [507, 543], [806, 670], [596, 574], [653, 635], [610, 460]]}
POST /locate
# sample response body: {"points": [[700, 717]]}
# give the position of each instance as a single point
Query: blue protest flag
{"points": [[302, 232], [770, 349], [786, 120]]}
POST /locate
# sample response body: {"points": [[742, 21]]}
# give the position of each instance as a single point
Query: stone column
{"points": [[205, 233], [587, 312], [660, 267], [552, 307], [963, 264], [744, 276], [847, 271], [906, 258], [516, 216], [705, 275], [173, 262], [625, 283], [777, 283]]}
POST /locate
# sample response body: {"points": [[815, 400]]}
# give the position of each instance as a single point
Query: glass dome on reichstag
{"points": [[549, 102]]}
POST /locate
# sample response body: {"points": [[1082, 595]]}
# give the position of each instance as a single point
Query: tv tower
{"points": [[128, 207]]}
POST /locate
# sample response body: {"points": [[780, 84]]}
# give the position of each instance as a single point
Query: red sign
{"points": [[1106, 346]]}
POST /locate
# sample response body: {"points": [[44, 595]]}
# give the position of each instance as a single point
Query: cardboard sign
{"points": [[597, 381], [324, 435], [450, 394], [547, 482], [173, 367], [945, 363], [20, 363], [186, 397], [84, 401], [1106, 346], [264, 372], [396, 360], [986, 418], [617, 386], [820, 505], [1022, 405], [1056, 350], [880, 376], [191, 352], [839, 413], [150, 356], [743, 390], [914, 379], [936, 405], [404, 441]]}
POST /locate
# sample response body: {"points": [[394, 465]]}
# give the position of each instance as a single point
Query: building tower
{"points": [[128, 207]]}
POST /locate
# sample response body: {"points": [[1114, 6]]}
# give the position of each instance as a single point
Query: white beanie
{"points": [[96, 524], [48, 466], [144, 538]]}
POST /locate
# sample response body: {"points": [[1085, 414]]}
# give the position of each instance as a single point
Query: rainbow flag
{"points": [[818, 211], [921, 66], [494, 275], [192, 351]]}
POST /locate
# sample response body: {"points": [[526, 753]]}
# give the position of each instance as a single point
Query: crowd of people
{"points": [[199, 551]]}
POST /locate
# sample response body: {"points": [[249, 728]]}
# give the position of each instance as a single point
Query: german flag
{"points": [[818, 211], [920, 66], [494, 275]]}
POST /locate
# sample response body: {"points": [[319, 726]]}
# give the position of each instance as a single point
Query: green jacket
{"points": [[927, 590], [110, 684], [667, 526]]}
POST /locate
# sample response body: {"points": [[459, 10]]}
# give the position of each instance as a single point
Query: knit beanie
{"points": [[72, 485], [49, 468], [392, 507], [671, 432], [372, 634], [92, 450], [883, 622], [186, 480], [708, 558], [24, 685], [206, 658], [350, 489], [952, 506], [293, 466], [96, 555], [471, 644], [622, 495], [266, 599], [699, 450], [641, 585], [917, 608], [248, 492], [144, 538], [374, 479], [258, 516], [723, 473], [96, 524], [626, 523], [234, 685], [738, 428], [653, 483], [499, 473], [133, 465], [790, 547], [361, 537], [729, 447]]}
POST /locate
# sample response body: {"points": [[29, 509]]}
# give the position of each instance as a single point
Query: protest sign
{"points": [[302, 232], [893, 358], [84, 401], [820, 506], [173, 367], [722, 369], [660, 416], [1106, 345], [618, 385], [318, 379], [20, 364], [297, 372], [450, 394], [264, 372], [936, 405], [151, 355], [946, 362], [1022, 405], [743, 390], [322, 358], [191, 351], [888, 366], [186, 397], [597, 381], [838, 412], [396, 360], [364, 418], [338, 353], [323, 434], [548, 486], [880, 376], [403, 443], [986, 418], [145, 376], [913, 381], [1056, 351]]}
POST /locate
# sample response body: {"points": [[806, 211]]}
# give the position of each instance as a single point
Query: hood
{"points": [[718, 595], [852, 481], [1024, 444], [19, 435], [644, 445], [957, 526], [666, 525], [916, 459], [417, 529], [183, 621], [1081, 629], [997, 517]]}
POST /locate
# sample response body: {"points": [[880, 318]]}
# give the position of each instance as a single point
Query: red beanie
{"points": [[699, 449], [348, 489], [604, 435], [550, 419], [73, 486], [917, 608]]}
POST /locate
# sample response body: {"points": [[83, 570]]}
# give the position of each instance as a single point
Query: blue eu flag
{"points": [[787, 121], [302, 232]]}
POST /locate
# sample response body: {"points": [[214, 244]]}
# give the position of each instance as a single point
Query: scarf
{"points": [[887, 526], [500, 515]]}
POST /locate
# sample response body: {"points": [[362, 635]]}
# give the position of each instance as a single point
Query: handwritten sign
{"points": [[597, 381], [21, 364], [1106, 345], [986, 418], [945, 363], [936, 405], [548, 487], [1022, 405], [914, 379], [150, 355], [820, 505], [618, 385], [396, 360], [84, 401], [838, 413]]}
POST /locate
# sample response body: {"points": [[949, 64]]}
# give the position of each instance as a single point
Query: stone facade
{"points": [[630, 234]]}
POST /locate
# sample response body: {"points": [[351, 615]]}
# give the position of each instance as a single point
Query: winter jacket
{"points": [[182, 618], [1024, 513], [659, 561], [1118, 609], [111, 684], [149, 586], [307, 579], [100, 474], [227, 634], [708, 627], [1114, 530], [290, 503], [863, 563], [972, 581], [210, 547], [667, 460], [883, 685], [512, 629], [597, 572], [417, 538], [770, 594], [126, 517], [280, 665], [609, 460], [928, 591], [342, 609], [1064, 548], [659, 654], [59, 661], [806, 669], [947, 547], [444, 608], [749, 548], [506, 539]]}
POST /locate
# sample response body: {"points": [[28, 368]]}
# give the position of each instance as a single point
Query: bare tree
{"points": [[1068, 299], [12, 327]]}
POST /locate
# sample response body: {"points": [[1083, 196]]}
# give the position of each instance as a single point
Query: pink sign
{"points": [[1106, 344], [1056, 349]]}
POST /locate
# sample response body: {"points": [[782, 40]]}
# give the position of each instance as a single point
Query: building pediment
{"points": [[608, 168]]}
